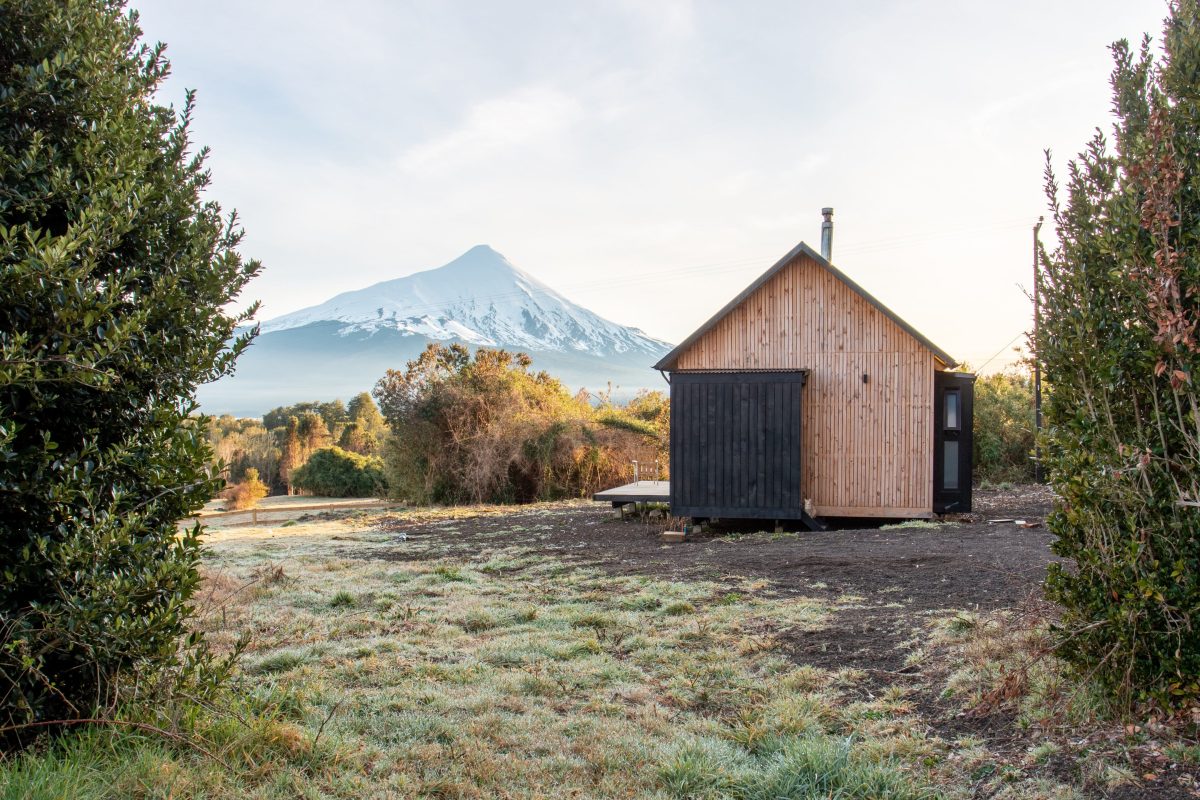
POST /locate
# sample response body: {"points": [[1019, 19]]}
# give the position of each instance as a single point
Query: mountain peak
{"points": [[480, 257], [479, 298]]}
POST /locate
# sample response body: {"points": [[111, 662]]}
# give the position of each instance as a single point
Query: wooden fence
{"points": [[256, 513]]}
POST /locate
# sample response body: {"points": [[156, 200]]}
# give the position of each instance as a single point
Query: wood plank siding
{"points": [[867, 447]]}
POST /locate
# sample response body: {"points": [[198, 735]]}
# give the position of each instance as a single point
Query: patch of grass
{"points": [[525, 614], [235, 747], [478, 619], [450, 574], [280, 661], [342, 599], [1043, 752], [962, 622], [814, 766], [918, 524], [642, 602], [597, 620], [1003, 663], [1184, 753], [678, 608]]}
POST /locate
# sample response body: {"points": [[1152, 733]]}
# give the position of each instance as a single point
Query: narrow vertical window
{"points": [[950, 465], [952, 423]]}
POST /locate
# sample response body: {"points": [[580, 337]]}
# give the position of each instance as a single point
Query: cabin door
{"points": [[953, 428], [735, 444]]}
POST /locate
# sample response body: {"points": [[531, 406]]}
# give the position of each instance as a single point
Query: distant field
{"points": [[552, 651]]}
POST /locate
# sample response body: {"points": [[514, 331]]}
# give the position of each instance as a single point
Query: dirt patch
{"points": [[903, 575], [959, 565], [1031, 502]]}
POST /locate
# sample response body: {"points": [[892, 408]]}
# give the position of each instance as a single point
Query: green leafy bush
{"points": [[1118, 344], [115, 277], [1004, 425], [334, 472]]}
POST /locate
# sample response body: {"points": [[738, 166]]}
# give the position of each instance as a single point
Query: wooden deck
{"points": [[637, 492]]}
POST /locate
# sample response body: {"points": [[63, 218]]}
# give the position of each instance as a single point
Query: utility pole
{"points": [[1037, 363]]}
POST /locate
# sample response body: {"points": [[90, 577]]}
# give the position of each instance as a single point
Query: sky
{"points": [[650, 158]]}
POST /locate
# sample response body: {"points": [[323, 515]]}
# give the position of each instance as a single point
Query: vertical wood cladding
{"points": [[867, 446], [738, 445]]}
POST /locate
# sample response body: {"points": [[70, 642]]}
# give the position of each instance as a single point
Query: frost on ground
{"points": [[552, 651]]}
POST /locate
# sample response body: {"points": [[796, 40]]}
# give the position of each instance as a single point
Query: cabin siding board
{"points": [[865, 447]]}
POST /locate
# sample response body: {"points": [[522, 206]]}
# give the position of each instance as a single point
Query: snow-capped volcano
{"points": [[344, 345], [479, 298]]}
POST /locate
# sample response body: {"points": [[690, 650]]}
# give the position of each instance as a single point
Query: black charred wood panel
{"points": [[735, 445]]}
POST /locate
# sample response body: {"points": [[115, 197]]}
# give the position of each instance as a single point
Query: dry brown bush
{"points": [[483, 428], [247, 493]]}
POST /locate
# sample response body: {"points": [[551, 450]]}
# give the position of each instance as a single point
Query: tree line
{"points": [[279, 446], [451, 427]]}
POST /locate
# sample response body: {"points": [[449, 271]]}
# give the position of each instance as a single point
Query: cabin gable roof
{"points": [[670, 360]]}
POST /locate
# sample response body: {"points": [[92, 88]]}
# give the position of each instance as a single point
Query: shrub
{"points": [[333, 472], [1118, 344], [483, 428], [248, 492], [116, 274]]}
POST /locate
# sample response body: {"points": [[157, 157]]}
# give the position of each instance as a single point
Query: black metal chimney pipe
{"points": [[827, 234]]}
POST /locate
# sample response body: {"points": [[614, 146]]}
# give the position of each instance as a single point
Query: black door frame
{"points": [[953, 395]]}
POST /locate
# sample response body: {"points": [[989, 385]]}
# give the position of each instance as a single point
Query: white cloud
{"points": [[533, 115], [671, 19]]}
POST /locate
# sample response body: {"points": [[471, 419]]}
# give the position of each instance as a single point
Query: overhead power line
{"points": [[998, 352]]}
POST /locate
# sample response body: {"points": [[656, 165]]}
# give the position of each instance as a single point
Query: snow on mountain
{"points": [[343, 346], [481, 299]]}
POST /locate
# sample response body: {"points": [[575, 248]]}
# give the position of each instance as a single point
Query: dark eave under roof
{"points": [[667, 364]]}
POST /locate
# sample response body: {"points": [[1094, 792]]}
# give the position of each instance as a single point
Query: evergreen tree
{"points": [[354, 440], [367, 428], [314, 434], [291, 452], [114, 274], [333, 413], [1118, 344]]}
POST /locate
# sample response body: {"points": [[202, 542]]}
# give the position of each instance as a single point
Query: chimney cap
{"points": [[827, 211]]}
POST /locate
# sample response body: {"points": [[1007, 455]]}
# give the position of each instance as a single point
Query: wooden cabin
{"points": [[807, 397]]}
